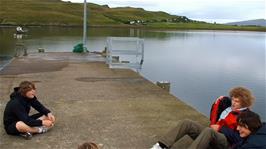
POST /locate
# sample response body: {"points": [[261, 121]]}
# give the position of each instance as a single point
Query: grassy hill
{"points": [[56, 12]]}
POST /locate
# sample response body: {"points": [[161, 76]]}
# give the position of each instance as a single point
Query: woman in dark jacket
{"points": [[252, 130]]}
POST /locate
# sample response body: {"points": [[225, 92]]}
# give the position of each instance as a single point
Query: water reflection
{"points": [[206, 65], [11, 44], [21, 49], [7, 41]]}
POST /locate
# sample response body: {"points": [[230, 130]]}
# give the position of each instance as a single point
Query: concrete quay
{"points": [[116, 108]]}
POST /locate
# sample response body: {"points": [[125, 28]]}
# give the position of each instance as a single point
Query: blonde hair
{"points": [[244, 95]]}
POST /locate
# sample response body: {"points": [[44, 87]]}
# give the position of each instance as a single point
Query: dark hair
{"points": [[26, 86], [242, 93], [249, 120], [88, 145]]}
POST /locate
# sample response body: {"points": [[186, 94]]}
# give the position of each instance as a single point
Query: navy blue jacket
{"points": [[233, 136], [18, 108], [254, 141]]}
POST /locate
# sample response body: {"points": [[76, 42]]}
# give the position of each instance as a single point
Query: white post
{"points": [[85, 27]]}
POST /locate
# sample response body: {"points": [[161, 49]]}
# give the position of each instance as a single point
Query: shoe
{"points": [[43, 129], [26, 135], [156, 146]]}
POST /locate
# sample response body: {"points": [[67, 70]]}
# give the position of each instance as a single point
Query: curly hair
{"points": [[88, 145], [26, 86], [244, 95]]}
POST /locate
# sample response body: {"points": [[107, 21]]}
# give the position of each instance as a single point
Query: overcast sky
{"points": [[220, 11]]}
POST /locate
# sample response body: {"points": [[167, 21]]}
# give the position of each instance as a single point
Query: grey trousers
{"points": [[191, 135]]}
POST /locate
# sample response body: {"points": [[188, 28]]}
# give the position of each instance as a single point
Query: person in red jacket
{"points": [[16, 115], [222, 132]]}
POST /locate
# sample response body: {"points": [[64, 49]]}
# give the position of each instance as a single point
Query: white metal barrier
{"points": [[125, 52]]}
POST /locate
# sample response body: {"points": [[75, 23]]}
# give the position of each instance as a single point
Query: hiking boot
{"points": [[26, 135]]}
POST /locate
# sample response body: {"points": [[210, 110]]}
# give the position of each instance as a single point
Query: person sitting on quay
{"points": [[252, 130], [220, 135], [16, 115]]}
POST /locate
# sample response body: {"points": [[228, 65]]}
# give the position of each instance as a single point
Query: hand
{"points": [[51, 117], [47, 123], [215, 127]]}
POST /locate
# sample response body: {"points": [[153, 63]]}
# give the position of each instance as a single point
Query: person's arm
{"points": [[22, 115], [214, 110], [39, 107], [232, 136]]}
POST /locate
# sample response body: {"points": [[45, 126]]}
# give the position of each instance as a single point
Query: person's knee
{"points": [[21, 126], [208, 130], [186, 121], [211, 133]]}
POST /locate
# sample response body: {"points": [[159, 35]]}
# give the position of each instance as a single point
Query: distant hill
{"points": [[57, 12], [257, 22]]}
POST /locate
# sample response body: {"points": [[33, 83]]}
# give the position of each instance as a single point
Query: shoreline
{"points": [[259, 29], [6, 64]]}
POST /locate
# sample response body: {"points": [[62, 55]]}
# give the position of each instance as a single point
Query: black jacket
{"points": [[18, 108], [255, 141]]}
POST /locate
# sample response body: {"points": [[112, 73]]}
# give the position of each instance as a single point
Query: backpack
{"points": [[218, 107]]}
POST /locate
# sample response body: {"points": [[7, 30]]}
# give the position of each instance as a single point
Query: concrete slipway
{"points": [[116, 108]]}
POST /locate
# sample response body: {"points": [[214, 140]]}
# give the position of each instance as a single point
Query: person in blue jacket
{"points": [[252, 130], [16, 115]]}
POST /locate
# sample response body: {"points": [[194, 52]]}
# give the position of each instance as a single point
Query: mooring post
{"points": [[164, 85]]}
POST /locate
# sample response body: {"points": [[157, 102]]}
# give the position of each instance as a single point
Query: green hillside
{"points": [[44, 12], [56, 12]]}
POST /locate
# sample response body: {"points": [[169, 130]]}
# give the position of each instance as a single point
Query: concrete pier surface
{"points": [[116, 108]]}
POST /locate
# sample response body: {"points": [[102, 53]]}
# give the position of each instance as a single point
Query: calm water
{"points": [[201, 65]]}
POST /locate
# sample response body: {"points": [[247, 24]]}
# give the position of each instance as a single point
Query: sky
{"points": [[219, 11]]}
